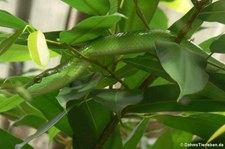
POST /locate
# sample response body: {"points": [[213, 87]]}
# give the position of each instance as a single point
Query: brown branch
{"points": [[149, 80], [109, 130], [198, 6]]}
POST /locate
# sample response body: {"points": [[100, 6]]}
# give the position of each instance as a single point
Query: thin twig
{"points": [[149, 80], [109, 130], [210, 55], [141, 14], [114, 122], [184, 31], [221, 68]]}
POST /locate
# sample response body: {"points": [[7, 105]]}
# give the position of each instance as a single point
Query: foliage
{"points": [[111, 85]]}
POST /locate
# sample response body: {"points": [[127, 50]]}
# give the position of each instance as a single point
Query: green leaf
{"points": [[92, 7], [67, 94], [205, 45], [187, 69], [196, 124], [29, 109], [8, 20], [80, 88], [218, 79], [18, 53], [126, 71], [49, 106], [7, 104], [163, 99], [136, 79], [115, 141], [88, 121], [173, 140], [15, 79], [30, 120], [44, 128], [179, 137], [38, 48], [217, 133], [52, 132], [8, 42], [89, 29], [117, 100], [213, 92], [9, 141], [160, 81], [217, 46], [133, 21], [136, 135], [214, 12], [159, 20], [165, 138], [146, 63]]}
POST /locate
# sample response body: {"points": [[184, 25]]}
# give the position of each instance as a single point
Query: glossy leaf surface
{"points": [[217, 133], [117, 100], [89, 29], [195, 124], [10, 103], [217, 46], [133, 22], [136, 135], [214, 12], [92, 7], [9, 141], [88, 121], [7, 43], [8, 20], [40, 131], [187, 69], [155, 101]]}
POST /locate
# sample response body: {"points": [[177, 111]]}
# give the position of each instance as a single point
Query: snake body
{"points": [[121, 43]]}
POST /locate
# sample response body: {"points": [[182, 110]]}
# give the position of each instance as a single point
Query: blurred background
{"points": [[54, 15]]}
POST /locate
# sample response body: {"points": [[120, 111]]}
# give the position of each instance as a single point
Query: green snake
{"points": [[118, 44]]}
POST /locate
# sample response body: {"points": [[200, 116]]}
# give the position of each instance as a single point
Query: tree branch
{"points": [[198, 5], [149, 80], [109, 130]]}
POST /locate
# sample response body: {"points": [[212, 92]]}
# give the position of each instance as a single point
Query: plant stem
{"points": [[112, 125], [54, 43], [149, 80], [198, 6], [221, 68], [141, 14], [108, 130], [210, 55]]}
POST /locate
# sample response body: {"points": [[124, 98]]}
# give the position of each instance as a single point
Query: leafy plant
{"points": [[118, 75]]}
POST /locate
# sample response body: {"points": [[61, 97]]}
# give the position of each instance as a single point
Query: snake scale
{"points": [[118, 44]]}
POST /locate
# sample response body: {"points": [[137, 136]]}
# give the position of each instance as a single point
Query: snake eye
{"points": [[37, 79]]}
